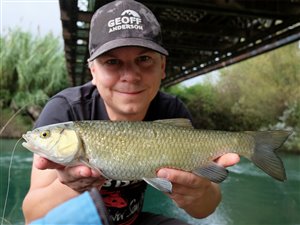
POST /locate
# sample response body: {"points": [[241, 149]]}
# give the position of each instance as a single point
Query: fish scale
{"points": [[124, 150], [152, 145]]}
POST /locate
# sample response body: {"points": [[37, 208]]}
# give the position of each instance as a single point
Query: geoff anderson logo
{"points": [[128, 20]]}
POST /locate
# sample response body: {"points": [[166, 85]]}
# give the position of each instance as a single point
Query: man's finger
{"points": [[43, 163], [228, 159], [180, 177], [74, 173]]}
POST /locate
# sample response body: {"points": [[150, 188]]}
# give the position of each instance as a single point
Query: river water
{"points": [[250, 197]]}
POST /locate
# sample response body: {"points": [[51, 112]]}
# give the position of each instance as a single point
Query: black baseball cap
{"points": [[124, 23]]}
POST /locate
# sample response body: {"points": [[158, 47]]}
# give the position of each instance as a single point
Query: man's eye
{"points": [[113, 62], [144, 58]]}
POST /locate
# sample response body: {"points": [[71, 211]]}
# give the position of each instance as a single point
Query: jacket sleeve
{"points": [[57, 110]]}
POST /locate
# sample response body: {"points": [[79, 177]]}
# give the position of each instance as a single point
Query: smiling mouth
{"points": [[130, 92]]}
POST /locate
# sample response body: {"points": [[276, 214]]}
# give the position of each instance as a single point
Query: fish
{"points": [[126, 150]]}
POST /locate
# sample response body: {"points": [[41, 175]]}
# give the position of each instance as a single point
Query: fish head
{"points": [[58, 143]]}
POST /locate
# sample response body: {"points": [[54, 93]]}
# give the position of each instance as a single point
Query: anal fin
{"points": [[160, 184], [213, 172]]}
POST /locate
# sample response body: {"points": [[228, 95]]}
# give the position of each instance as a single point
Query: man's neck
{"points": [[125, 117]]}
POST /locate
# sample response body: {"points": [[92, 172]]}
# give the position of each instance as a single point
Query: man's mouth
{"points": [[131, 92]]}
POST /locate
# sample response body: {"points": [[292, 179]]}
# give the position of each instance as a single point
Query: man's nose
{"points": [[130, 73]]}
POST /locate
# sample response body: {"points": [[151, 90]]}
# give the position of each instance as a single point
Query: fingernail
{"points": [[95, 173], [83, 173], [162, 173], [80, 172]]}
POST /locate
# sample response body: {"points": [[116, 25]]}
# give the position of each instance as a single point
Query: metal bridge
{"points": [[200, 35]]}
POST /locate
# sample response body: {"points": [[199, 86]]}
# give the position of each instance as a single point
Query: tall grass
{"points": [[32, 68]]}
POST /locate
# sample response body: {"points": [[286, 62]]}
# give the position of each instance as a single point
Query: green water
{"points": [[249, 196]]}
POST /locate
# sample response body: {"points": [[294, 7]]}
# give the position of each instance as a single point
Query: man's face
{"points": [[128, 79]]}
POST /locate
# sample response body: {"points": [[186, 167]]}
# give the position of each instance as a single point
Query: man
{"points": [[127, 62]]}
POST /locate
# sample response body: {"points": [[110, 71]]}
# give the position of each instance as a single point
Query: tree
{"points": [[263, 87]]}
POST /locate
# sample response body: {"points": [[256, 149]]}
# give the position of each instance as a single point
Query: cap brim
{"points": [[128, 42]]}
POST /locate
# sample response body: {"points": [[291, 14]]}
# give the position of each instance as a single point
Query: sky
{"points": [[41, 17], [37, 16]]}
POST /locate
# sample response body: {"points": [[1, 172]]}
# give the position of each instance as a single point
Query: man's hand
{"points": [[80, 178], [196, 195]]}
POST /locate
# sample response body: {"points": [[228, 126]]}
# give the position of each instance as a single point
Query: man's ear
{"points": [[92, 69]]}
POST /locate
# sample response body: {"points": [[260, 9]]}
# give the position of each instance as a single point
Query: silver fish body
{"points": [[132, 150], [137, 150]]}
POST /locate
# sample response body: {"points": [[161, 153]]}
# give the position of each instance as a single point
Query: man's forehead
{"points": [[133, 49]]}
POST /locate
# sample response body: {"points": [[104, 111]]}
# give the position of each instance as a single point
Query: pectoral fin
{"points": [[160, 184], [213, 172], [86, 163]]}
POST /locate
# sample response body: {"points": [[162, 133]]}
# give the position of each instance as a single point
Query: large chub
{"points": [[264, 155]]}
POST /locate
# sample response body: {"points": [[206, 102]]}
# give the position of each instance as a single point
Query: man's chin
{"points": [[135, 112]]}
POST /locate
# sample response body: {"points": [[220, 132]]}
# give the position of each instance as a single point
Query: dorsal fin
{"points": [[179, 122]]}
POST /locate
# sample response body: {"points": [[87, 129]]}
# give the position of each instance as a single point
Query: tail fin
{"points": [[264, 155]]}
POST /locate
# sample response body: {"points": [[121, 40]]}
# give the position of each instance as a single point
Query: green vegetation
{"points": [[32, 70], [258, 94], [17, 126]]}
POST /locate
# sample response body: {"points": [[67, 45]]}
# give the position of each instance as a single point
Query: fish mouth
{"points": [[24, 136], [34, 149], [31, 147]]}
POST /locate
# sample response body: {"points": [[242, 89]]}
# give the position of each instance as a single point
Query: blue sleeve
{"points": [[78, 210]]}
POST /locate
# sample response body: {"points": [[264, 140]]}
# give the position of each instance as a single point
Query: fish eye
{"points": [[45, 134]]}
